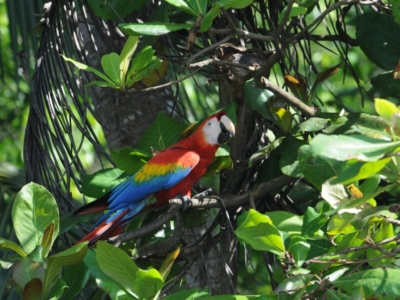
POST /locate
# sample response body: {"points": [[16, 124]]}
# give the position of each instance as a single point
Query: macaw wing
{"points": [[163, 171]]}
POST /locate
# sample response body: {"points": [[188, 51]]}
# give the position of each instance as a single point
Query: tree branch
{"points": [[209, 202]]}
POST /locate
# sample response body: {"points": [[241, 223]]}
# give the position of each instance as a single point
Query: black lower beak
{"points": [[225, 134]]}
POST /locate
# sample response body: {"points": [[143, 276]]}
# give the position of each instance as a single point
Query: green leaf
{"points": [[168, 262], [340, 224], [142, 59], [84, 67], [24, 271], [199, 6], [206, 22], [258, 231], [187, 294], [113, 261], [7, 244], [295, 11], [379, 282], [129, 160], [266, 150], [126, 56], [313, 124], [385, 109], [257, 99], [237, 4], [101, 182], [136, 76], [385, 231], [115, 9], [110, 64], [55, 263], [295, 282], [346, 147], [289, 162], [377, 36], [312, 222], [286, 221], [142, 65], [151, 28], [103, 281], [162, 133], [371, 215], [299, 249], [184, 6], [336, 295], [33, 211], [361, 170], [318, 169], [75, 278]]}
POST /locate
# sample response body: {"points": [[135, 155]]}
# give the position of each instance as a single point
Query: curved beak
{"points": [[227, 130]]}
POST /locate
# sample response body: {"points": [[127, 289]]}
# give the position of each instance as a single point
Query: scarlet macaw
{"points": [[170, 173]]}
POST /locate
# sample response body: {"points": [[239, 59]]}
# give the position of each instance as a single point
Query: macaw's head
{"points": [[218, 129]]}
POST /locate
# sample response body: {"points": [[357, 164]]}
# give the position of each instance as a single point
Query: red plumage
{"points": [[170, 173]]}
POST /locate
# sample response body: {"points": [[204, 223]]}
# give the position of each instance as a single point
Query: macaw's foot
{"points": [[186, 202], [203, 194]]}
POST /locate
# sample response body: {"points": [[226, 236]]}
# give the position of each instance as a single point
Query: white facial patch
{"points": [[211, 131]]}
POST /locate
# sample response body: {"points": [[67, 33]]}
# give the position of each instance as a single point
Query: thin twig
{"points": [[202, 52], [161, 86], [287, 97]]}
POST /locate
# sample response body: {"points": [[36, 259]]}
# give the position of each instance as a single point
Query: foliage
{"points": [[332, 234]]}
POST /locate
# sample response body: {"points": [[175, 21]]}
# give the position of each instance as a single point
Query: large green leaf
{"points": [[257, 99], [129, 160], [101, 182], [346, 147], [55, 263], [289, 162], [379, 282], [113, 261], [75, 278], [162, 133], [317, 168], [286, 221], [377, 35], [151, 28], [361, 170], [258, 231], [33, 211], [103, 281]]}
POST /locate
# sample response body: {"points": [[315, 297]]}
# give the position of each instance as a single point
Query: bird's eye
{"points": [[209, 123]]}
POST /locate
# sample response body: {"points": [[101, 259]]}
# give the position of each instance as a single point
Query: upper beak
{"points": [[227, 130]]}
